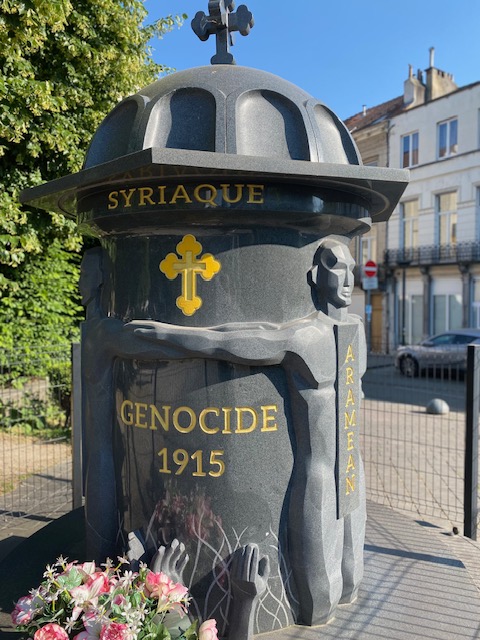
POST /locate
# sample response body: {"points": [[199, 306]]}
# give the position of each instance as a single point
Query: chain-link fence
{"points": [[35, 451], [414, 459]]}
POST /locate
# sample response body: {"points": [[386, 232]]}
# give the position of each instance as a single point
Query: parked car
{"points": [[445, 350]]}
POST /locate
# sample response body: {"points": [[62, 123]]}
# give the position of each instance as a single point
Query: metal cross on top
{"points": [[190, 267], [222, 22]]}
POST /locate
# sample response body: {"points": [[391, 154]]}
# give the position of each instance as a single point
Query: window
{"points": [[410, 150], [413, 319], [477, 213], [447, 138], [476, 304], [368, 247], [479, 128], [447, 312], [447, 218], [409, 224]]}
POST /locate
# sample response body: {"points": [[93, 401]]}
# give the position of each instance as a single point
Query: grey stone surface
{"points": [[437, 406], [419, 583], [222, 22], [225, 122], [415, 587], [217, 335], [272, 481]]}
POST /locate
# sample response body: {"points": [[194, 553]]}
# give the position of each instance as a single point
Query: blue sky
{"points": [[346, 53]]}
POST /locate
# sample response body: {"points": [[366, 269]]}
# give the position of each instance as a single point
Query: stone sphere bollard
{"points": [[437, 406]]}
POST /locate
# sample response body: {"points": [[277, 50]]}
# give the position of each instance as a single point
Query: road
{"points": [[387, 384]]}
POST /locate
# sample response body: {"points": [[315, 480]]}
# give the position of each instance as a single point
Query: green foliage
{"points": [[35, 391], [65, 64], [41, 417], [41, 304]]}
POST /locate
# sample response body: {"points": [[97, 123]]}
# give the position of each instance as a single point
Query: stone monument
{"points": [[221, 368]]}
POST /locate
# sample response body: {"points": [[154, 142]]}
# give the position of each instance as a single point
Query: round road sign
{"points": [[370, 269]]}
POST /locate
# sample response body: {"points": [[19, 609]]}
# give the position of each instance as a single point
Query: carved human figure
{"points": [[325, 551], [332, 280]]}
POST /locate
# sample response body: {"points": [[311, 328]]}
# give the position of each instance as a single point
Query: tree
{"points": [[65, 64]]}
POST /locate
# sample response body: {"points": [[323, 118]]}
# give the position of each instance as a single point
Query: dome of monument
{"points": [[225, 109]]}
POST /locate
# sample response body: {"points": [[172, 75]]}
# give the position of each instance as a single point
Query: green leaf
{"points": [[70, 580], [192, 632], [64, 66]]}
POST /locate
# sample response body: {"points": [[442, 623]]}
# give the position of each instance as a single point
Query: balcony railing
{"points": [[463, 252]]}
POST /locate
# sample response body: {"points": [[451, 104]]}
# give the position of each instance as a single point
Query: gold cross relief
{"points": [[189, 266]]}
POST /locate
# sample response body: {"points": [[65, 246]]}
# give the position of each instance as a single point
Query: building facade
{"points": [[429, 251]]}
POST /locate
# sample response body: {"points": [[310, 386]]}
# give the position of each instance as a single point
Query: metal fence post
{"points": [[77, 475], [471, 442]]}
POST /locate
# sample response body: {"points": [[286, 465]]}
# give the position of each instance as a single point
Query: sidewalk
{"points": [[419, 582], [37, 501]]}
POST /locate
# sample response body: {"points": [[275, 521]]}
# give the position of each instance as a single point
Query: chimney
{"points": [[439, 83], [413, 90]]}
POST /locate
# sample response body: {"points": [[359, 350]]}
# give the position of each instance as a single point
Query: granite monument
{"points": [[221, 367]]}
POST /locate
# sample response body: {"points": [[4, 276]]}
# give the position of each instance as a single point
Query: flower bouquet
{"points": [[80, 601]]}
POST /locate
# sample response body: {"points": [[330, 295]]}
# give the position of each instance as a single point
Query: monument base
{"points": [[415, 585]]}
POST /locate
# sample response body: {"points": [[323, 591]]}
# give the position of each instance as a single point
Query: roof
{"points": [[376, 114], [386, 110]]}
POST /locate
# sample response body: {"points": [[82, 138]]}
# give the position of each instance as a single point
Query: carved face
{"points": [[335, 274]]}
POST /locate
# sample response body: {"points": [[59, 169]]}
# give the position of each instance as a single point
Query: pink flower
{"points": [[119, 600], [51, 631], [208, 630], [93, 626], [159, 585], [25, 609], [114, 631], [95, 585], [87, 568]]}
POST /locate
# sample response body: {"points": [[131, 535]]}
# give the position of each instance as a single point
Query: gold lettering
{"points": [[350, 398], [350, 444], [350, 420], [190, 413], [226, 192], [155, 414], [141, 414], [350, 355], [255, 194], [350, 484], [161, 194], [240, 411], [209, 200], [227, 412], [350, 464], [184, 419], [146, 194], [180, 192], [266, 418], [349, 372], [128, 420], [201, 420], [127, 196], [113, 199]]}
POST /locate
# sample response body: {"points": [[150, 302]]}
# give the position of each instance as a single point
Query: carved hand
{"points": [[171, 560], [249, 573], [136, 551]]}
